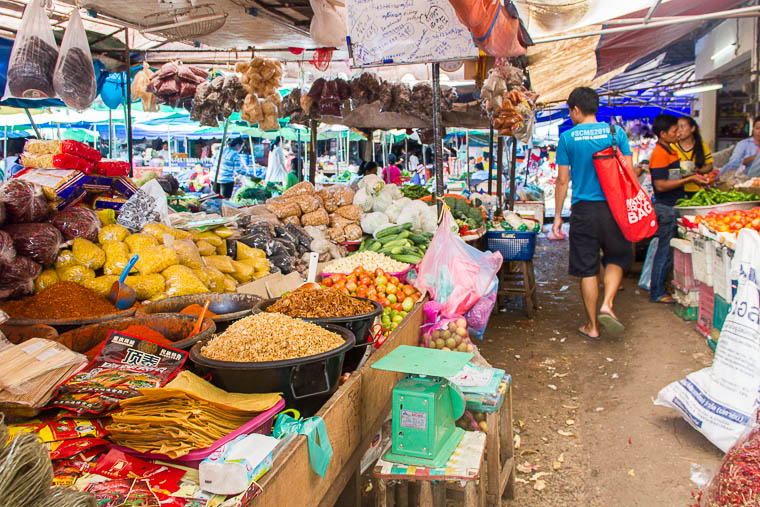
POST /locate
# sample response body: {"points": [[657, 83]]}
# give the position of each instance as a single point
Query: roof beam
{"points": [[653, 8]]}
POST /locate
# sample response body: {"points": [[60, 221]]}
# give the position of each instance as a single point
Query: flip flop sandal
{"points": [[611, 324], [588, 336], [665, 300]]}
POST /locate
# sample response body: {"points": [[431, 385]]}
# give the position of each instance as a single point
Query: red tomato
{"points": [[416, 296], [397, 307], [409, 290], [362, 292], [384, 302], [364, 280], [351, 278], [379, 272], [357, 271], [371, 293], [327, 282], [394, 280]]}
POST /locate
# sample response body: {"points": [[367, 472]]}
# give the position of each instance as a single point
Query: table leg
{"points": [[426, 494], [381, 493], [471, 496], [402, 493], [392, 493], [508, 446], [493, 457], [439, 494]]}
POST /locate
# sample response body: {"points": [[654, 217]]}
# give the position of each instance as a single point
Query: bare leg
{"points": [[590, 294], [613, 276]]}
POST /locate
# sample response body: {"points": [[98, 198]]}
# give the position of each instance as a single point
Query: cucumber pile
{"points": [[399, 243]]}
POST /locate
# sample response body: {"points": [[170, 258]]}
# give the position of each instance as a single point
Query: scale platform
{"points": [[422, 361]]}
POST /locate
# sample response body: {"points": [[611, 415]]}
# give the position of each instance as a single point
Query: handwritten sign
{"points": [[393, 32]]}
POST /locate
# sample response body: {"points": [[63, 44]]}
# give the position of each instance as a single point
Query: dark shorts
{"points": [[593, 228]]}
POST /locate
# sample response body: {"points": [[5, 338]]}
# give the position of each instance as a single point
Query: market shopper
{"points": [[391, 172], [276, 166], [232, 164], [668, 183], [745, 151], [592, 226], [692, 151]]}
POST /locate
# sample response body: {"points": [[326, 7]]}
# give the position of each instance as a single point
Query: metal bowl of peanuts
{"points": [[271, 352]]}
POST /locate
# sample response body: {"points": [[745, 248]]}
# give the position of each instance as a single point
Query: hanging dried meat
{"points": [[175, 84], [216, 100], [140, 89], [33, 57], [330, 95], [365, 89], [74, 78]]}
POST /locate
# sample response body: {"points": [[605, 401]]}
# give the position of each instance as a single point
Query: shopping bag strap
{"points": [[612, 134]]}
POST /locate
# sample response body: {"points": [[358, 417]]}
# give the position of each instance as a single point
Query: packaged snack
{"points": [[205, 248], [77, 274], [124, 365], [247, 252], [80, 150], [7, 252], [24, 202], [315, 218], [155, 259], [65, 259], [209, 237], [117, 257], [38, 241], [139, 242], [101, 284], [113, 232], [88, 253], [187, 253], [58, 430], [47, 278], [181, 281], [215, 279], [113, 168], [74, 78], [220, 262], [77, 222], [146, 286], [40, 147], [283, 209], [243, 272], [351, 212]]}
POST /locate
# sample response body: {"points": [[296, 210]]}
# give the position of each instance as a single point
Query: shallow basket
{"points": [[512, 245]]}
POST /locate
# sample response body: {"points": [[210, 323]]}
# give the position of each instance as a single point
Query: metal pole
{"points": [[299, 164], [385, 151], [34, 125], [313, 153], [128, 99], [110, 133], [5, 153], [490, 159], [437, 137], [221, 152], [467, 157], [500, 172], [169, 145], [512, 170], [406, 153]]}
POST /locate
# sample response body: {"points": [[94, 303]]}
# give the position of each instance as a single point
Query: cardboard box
{"points": [[272, 286], [65, 183]]}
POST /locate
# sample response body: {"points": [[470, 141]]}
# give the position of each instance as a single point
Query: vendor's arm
{"points": [[560, 192], [665, 185], [743, 154]]}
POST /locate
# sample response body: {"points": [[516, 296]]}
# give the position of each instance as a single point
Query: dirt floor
{"points": [[588, 405]]}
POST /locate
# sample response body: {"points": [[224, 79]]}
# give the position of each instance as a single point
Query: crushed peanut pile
{"points": [[270, 337], [319, 303]]}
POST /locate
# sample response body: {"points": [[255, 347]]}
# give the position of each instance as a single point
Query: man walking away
{"points": [[592, 226]]}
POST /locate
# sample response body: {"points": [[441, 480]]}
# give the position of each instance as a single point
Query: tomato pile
{"points": [[397, 298], [732, 221]]}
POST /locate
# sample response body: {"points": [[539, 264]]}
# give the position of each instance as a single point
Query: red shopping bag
{"points": [[629, 203]]}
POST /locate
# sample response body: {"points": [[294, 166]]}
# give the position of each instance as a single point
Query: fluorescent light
{"points": [[723, 51], [698, 89]]}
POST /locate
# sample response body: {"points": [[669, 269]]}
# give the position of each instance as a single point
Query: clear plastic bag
{"points": [[456, 274], [24, 202], [74, 78], [88, 253], [40, 242], [33, 57], [101, 284], [146, 286], [117, 257], [7, 252], [47, 278], [181, 281], [478, 316], [187, 253], [77, 222], [155, 259], [112, 232]]}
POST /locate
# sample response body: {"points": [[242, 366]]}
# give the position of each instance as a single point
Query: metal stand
{"points": [[512, 171], [313, 152], [500, 172], [128, 99], [437, 136], [221, 152], [490, 159]]}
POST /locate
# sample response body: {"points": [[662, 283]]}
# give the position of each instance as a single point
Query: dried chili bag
{"points": [[7, 252], [40, 242], [124, 365], [77, 222], [16, 277], [24, 202], [33, 57], [74, 77], [2, 213]]}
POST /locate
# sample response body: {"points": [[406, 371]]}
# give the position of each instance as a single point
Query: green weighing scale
{"points": [[426, 406]]}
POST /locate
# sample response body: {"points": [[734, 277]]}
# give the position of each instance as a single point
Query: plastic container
{"points": [[687, 313], [173, 326], [228, 307], [701, 260], [721, 271], [720, 312], [261, 424], [706, 307], [359, 325], [683, 273], [306, 382], [512, 245]]}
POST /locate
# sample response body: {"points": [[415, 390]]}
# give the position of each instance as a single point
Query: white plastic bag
{"points": [[74, 78], [328, 26], [371, 222], [363, 199], [409, 215], [33, 57], [382, 201], [720, 401], [372, 183], [146, 206], [645, 280]]}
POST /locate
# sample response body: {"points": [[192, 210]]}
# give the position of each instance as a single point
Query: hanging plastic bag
{"points": [[456, 274], [328, 26], [74, 78], [33, 57], [320, 452], [147, 205], [645, 280]]}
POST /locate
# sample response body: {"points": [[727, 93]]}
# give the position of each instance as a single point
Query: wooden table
{"points": [[464, 465]]}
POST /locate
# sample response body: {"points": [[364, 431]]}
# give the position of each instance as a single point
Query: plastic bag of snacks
{"points": [[88, 253], [65, 259], [246, 252], [243, 272], [24, 202], [215, 279], [77, 222], [46, 279], [101, 284], [39, 147], [315, 218], [33, 57], [181, 281], [158, 231], [220, 262], [77, 274], [205, 248], [117, 257], [17, 275], [40, 242], [209, 237], [139, 242], [146, 286], [7, 252], [112, 232], [155, 260], [187, 253]]}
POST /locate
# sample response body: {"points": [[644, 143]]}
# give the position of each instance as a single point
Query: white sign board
{"points": [[394, 32]]}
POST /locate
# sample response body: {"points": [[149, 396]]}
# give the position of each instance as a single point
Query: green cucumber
{"points": [[409, 259], [375, 246], [391, 231]]}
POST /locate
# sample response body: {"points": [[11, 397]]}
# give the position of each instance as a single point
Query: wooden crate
{"points": [[353, 415]]}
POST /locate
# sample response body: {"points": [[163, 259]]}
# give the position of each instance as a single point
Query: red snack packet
{"points": [[66, 161], [80, 150], [119, 465], [68, 448]]}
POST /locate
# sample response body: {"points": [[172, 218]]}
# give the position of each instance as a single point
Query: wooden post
{"points": [[500, 173], [490, 160], [467, 157], [385, 150], [437, 137], [299, 165], [406, 152], [128, 99], [221, 153], [313, 152], [512, 171]]}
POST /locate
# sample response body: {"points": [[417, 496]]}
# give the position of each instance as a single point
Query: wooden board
{"points": [[353, 415]]}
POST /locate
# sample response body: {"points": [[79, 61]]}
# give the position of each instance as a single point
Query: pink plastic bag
{"points": [[456, 274]]}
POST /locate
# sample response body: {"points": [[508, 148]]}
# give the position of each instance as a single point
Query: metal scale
{"points": [[426, 406]]}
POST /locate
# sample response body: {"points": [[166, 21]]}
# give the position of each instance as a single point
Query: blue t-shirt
{"points": [[576, 148]]}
